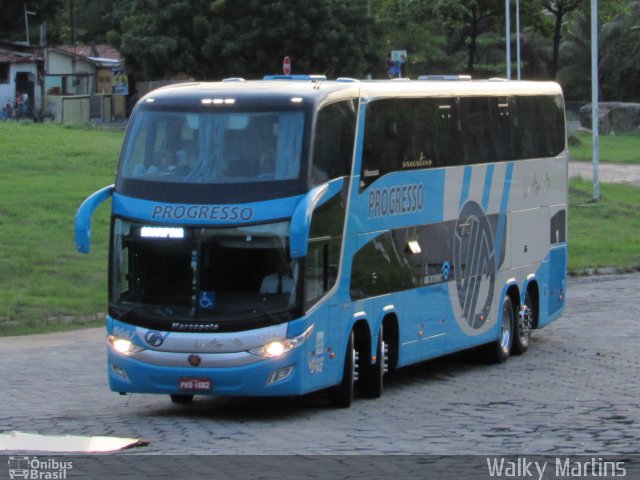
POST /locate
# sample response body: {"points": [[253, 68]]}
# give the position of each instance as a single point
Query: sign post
{"points": [[398, 58], [286, 66]]}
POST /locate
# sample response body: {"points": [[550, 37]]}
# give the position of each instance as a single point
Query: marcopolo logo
{"points": [[41, 469], [474, 263], [154, 338]]}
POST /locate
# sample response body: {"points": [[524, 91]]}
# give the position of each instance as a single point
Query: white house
{"points": [[21, 71], [79, 69]]}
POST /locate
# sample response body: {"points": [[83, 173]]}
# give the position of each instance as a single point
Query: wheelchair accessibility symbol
{"points": [[207, 300]]}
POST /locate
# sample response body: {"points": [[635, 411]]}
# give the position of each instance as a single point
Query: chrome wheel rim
{"points": [[505, 334], [525, 322]]}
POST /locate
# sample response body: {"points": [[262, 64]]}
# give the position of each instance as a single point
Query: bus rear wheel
{"points": [[371, 377], [500, 350], [523, 326], [342, 394]]}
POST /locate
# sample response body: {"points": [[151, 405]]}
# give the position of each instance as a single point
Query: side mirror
{"points": [[83, 218]]}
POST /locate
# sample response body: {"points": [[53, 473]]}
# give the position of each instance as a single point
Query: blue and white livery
{"points": [[289, 235]]}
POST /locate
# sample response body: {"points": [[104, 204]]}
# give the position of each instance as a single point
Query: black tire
{"points": [[370, 381], [500, 350], [181, 398], [523, 326], [342, 394]]}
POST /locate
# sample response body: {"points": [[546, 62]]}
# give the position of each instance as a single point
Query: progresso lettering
{"points": [[201, 212], [397, 200]]}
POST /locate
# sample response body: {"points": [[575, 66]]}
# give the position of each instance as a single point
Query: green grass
{"points": [[46, 171], [621, 148], [604, 233]]}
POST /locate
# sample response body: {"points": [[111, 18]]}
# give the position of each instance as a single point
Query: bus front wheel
{"points": [[342, 394]]}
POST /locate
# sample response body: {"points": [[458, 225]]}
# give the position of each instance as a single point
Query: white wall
{"points": [[8, 90]]}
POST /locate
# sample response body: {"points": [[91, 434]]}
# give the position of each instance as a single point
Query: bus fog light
{"points": [[119, 371], [278, 375], [123, 346]]}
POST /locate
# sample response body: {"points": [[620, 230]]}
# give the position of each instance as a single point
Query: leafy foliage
{"points": [[12, 25], [209, 39], [227, 38]]}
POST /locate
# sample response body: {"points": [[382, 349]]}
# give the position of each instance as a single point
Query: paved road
{"points": [[607, 172], [577, 390]]}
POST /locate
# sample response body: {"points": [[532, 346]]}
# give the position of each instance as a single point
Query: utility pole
{"points": [[26, 22], [507, 35], [72, 22], [518, 36], [595, 110]]}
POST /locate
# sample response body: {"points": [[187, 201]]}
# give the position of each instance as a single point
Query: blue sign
{"points": [[207, 300]]}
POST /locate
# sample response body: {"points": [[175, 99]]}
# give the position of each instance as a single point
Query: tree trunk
{"points": [[557, 36], [473, 42]]}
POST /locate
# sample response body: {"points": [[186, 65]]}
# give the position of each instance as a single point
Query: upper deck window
{"points": [[420, 133], [334, 138], [214, 147]]}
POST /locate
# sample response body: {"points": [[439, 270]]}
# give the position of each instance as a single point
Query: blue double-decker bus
{"points": [[293, 234]]}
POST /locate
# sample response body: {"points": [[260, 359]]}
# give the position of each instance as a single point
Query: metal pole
{"points": [[518, 35], [595, 126], [26, 23], [508, 37]]}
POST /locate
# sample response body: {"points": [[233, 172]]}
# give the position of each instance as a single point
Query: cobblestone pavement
{"points": [[576, 391]]}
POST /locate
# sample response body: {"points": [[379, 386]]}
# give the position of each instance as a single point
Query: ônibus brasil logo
{"points": [[474, 263], [35, 468]]}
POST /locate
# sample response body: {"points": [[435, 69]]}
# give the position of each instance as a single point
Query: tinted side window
{"points": [[539, 126], [408, 133], [334, 139], [325, 239], [445, 132], [381, 267], [475, 122]]}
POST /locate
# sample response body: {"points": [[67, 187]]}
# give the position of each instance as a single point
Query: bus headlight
{"points": [[123, 346], [280, 347]]}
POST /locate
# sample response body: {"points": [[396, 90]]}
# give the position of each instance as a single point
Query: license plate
{"points": [[195, 384]]}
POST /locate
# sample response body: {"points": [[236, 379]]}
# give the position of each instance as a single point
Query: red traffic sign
{"points": [[286, 66]]}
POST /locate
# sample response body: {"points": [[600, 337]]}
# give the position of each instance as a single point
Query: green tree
{"points": [[473, 26], [618, 55], [94, 19], [413, 26], [559, 9], [12, 24], [222, 38]]}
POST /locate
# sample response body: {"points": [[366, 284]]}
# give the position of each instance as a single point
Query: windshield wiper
{"points": [[164, 312], [266, 313]]}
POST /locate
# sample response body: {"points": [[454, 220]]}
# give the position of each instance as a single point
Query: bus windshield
{"points": [[214, 147], [216, 274]]}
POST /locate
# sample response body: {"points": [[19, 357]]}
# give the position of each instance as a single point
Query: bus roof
{"points": [[318, 91]]}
